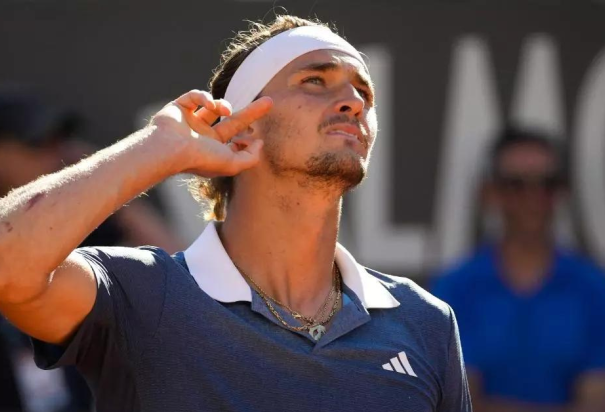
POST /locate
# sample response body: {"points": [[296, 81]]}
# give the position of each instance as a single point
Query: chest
{"points": [[548, 329], [229, 358]]}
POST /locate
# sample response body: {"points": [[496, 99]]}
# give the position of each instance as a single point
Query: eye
{"points": [[363, 93], [314, 80], [366, 95]]}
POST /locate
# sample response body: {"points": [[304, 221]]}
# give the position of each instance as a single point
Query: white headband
{"points": [[273, 55]]}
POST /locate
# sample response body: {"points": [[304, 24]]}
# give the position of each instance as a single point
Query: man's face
{"points": [[527, 187], [323, 122]]}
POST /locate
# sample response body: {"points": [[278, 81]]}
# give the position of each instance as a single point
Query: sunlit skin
{"points": [[317, 141], [316, 98], [282, 223]]}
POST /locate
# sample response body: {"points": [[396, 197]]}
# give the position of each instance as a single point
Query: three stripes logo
{"points": [[400, 364]]}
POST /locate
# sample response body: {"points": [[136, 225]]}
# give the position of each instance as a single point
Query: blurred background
{"points": [[449, 77]]}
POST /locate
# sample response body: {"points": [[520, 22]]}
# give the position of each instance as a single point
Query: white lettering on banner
{"points": [[471, 118], [589, 156], [375, 239], [539, 103], [537, 97]]}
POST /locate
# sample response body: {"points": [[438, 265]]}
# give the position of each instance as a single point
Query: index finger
{"points": [[238, 122]]}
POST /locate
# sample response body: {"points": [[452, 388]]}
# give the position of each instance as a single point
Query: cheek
{"points": [[372, 125], [299, 116]]}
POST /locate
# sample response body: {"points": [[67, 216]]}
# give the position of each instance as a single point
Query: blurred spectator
{"points": [[36, 139], [531, 314]]}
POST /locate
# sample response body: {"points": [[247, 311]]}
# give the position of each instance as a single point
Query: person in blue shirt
{"points": [[531, 313]]}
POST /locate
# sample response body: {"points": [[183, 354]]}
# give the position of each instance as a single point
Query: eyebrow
{"points": [[333, 66]]}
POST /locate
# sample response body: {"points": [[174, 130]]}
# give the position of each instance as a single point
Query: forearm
{"points": [[42, 222]]}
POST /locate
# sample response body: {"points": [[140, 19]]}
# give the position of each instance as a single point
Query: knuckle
{"points": [[238, 124]]}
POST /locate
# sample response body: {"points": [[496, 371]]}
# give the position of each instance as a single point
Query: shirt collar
{"points": [[217, 276]]}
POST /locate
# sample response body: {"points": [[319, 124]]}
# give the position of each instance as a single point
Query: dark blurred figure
{"points": [[531, 314], [36, 139]]}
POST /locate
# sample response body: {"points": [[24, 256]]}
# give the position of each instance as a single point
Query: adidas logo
{"points": [[400, 364]]}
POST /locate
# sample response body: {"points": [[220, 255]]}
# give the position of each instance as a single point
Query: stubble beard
{"points": [[341, 171], [336, 170]]}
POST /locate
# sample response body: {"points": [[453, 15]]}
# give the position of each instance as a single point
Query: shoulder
{"points": [[425, 321], [471, 265], [581, 270], [126, 264], [414, 300], [147, 256], [471, 273]]}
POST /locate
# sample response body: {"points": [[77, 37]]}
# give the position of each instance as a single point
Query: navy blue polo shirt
{"points": [[187, 333], [529, 348]]}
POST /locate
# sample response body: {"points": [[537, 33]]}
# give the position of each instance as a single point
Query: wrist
{"points": [[173, 150]]}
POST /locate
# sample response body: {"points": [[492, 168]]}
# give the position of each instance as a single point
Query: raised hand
{"points": [[212, 150]]}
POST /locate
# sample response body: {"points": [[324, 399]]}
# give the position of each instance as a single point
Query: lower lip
{"points": [[344, 136]]}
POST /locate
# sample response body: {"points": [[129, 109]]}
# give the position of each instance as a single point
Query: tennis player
{"points": [[265, 311]]}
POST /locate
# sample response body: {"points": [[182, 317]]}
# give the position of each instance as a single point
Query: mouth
{"points": [[348, 131]]}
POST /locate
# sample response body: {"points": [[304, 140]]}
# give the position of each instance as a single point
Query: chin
{"points": [[345, 170]]}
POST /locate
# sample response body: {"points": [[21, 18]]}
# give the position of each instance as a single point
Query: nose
{"points": [[350, 101]]}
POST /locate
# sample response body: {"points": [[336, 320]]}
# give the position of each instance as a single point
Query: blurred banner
{"points": [[447, 76]]}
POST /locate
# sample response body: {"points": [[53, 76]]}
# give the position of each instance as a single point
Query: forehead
{"points": [[527, 157], [317, 57]]}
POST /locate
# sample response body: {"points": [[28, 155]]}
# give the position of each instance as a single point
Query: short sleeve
{"points": [[131, 285], [456, 396]]}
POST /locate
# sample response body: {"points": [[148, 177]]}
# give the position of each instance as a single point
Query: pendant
{"points": [[317, 331]]}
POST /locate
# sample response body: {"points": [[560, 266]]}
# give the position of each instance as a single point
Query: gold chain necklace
{"points": [[315, 319], [315, 327], [293, 312]]}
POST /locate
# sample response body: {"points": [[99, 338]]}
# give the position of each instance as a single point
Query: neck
{"points": [[283, 236], [525, 260]]}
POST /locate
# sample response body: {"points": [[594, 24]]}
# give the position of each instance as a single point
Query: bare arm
{"points": [[45, 289], [139, 221]]}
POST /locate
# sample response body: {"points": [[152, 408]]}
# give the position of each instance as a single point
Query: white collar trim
{"points": [[217, 276]]}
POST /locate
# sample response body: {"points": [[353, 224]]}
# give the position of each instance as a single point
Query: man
{"points": [[531, 313], [264, 311]]}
